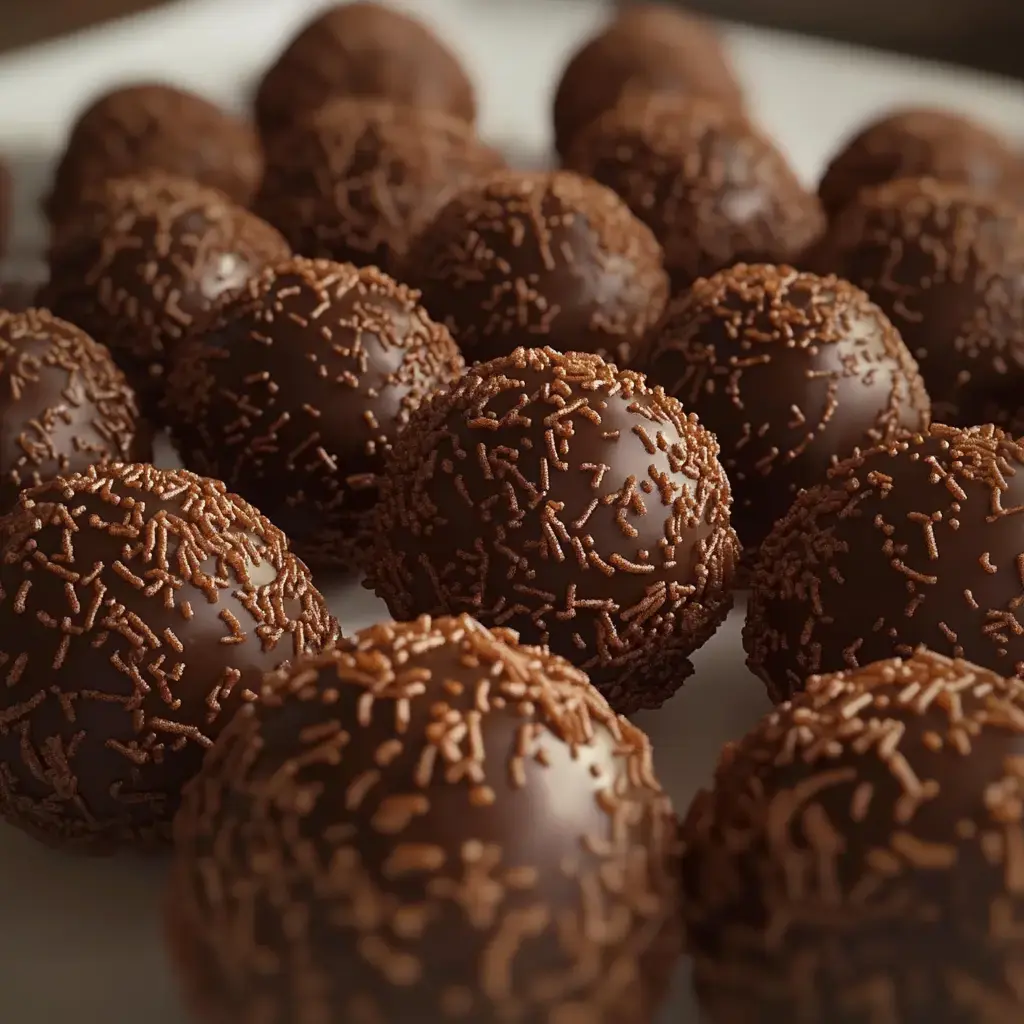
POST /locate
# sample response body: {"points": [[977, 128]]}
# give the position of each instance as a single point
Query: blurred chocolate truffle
{"points": [[363, 50], [649, 47], [539, 258], [857, 853], [358, 179], [946, 264], [429, 822], [6, 207], [790, 372], [139, 608], [713, 189], [559, 496], [146, 262], [297, 389], [152, 127]]}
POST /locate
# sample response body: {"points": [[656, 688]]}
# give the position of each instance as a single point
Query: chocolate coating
{"points": [[712, 188], [914, 542], [358, 179], [362, 50], [563, 498], [153, 127], [857, 859], [790, 372], [428, 822], [139, 608], [539, 258], [946, 264], [294, 394], [145, 264]]}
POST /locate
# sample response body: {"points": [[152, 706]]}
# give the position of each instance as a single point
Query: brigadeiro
{"points": [[295, 392], [430, 821], [154, 127], [789, 371], [358, 179], [363, 50], [562, 497], [649, 47], [916, 541], [144, 265], [946, 264], [64, 405], [539, 258], [858, 856], [139, 608], [712, 188]]}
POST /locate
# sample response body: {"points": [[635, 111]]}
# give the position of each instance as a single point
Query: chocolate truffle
{"points": [[64, 405], [648, 48], [139, 608], [540, 258], [359, 178], [917, 541], [789, 371], [362, 50], [713, 189], [946, 264], [566, 499], [6, 207], [857, 858], [295, 392], [427, 822], [146, 263], [154, 127], [921, 143]]}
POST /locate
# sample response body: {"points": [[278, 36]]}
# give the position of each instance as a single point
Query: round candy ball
{"points": [[139, 608], [145, 264], [358, 179], [917, 541], [539, 258], [945, 262], [713, 189], [295, 392], [154, 127], [428, 822], [856, 859], [790, 371], [559, 496]]}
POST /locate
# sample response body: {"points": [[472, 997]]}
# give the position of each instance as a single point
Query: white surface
{"points": [[80, 940]]}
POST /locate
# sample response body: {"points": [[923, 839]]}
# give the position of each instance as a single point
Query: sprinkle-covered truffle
{"points": [[139, 608], [565, 499], [427, 822], [713, 189], [540, 258], [859, 856], [295, 392], [914, 542], [790, 372]]}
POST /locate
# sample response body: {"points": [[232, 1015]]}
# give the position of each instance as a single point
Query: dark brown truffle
{"points": [[6, 207], [790, 372], [428, 822], [647, 48], [858, 858], [294, 394], [364, 50], [151, 127], [921, 143], [566, 499], [146, 263], [139, 608], [946, 264], [713, 189], [915, 542], [540, 258], [357, 180]]}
